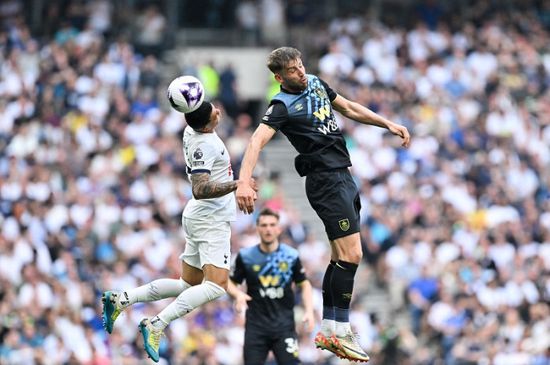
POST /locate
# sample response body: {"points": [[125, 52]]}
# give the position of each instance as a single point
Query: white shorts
{"points": [[207, 243]]}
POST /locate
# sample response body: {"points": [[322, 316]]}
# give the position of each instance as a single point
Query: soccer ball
{"points": [[185, 94]]}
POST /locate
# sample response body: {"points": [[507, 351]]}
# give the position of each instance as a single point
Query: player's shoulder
{"points": [[289, 250], [251, 253], [191, 137]]}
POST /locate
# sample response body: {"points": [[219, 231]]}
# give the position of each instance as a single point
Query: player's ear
{"points": [[278, 78]]}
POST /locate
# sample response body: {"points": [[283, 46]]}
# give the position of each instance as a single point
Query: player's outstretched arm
{"points": [[245, 193], [362, 114], [205, 189]]}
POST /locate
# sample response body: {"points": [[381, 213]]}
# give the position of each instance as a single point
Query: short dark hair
{"points": [[280, 57], [267, 212], [199, 118]]}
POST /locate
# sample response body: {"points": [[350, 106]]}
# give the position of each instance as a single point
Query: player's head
{"points": [[267, 225], [286, 64], [207, 116]]}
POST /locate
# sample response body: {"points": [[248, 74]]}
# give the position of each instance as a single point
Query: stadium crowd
{"points": [[456, 228]]}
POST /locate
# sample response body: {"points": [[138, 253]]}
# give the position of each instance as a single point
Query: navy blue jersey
{"points": [[269, 278], [307, 120]]}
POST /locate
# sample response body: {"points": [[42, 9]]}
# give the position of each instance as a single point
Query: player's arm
{"points": [[240, 297], [245, 194], [203, 188], [307, 301], [353, 110], [238, 274]]}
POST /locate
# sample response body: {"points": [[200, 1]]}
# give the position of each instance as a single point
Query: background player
{"points": [[206, 221], [269, 269], [303, 112]]}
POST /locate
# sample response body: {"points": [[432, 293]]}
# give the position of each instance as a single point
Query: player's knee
{"points": [[216, 275], [221, 282], [214, 290]]}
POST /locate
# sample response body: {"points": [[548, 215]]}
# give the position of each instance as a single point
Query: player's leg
{"points": [[349, 252], [317, 191], [114, 302], [213, 242], [335, 198], [256, 347], [191, 274], [328, 323], [285, 349]]}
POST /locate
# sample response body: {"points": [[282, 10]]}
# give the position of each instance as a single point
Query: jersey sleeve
{"points": [[238, 271], [276, 115], [298, 272], [201, 158], [331, 93]]}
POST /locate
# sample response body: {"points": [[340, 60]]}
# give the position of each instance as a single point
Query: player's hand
{"points": [[402, 132], [241, 304], [308, 320], [246, 196]]}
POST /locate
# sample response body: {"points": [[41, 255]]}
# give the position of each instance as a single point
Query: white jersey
{"points": [[206, 153]]}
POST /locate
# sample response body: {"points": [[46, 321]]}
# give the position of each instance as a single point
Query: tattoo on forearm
{"points": [[204, 189]]}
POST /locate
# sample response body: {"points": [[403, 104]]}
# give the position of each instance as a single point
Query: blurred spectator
{"points": [[150, 28]]}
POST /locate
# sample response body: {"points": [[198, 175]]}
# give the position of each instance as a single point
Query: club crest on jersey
{"points": [[344, 224], [321, 92], [197, 154], [283, 266]]}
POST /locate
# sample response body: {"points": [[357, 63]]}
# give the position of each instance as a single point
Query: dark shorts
{"points": [[335, 198], [257, 345]]}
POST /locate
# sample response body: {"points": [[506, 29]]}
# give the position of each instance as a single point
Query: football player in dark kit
{"points": [[269, 270], [303, 112]]}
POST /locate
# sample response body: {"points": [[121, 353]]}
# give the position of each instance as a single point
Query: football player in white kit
{"points": [[206, 222]]}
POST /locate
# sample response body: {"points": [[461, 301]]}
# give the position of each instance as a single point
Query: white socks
{"points": [[328, 326], [188, 297], [187, 301], [156, 290], [331, 327], [342, 329]]}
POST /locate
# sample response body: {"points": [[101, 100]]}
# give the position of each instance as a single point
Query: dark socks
{"points": [[341, 287], [328, 306]]}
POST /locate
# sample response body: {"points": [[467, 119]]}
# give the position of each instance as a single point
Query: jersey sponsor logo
{"points": [[272, 293], [299, 107], [223, 152], [269, 280], [331, 126], [198, 163], [197, 154], [322, 113], [344, 224]]}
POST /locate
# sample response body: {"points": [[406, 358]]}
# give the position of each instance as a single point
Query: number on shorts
{"points": [[291, 345]]}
